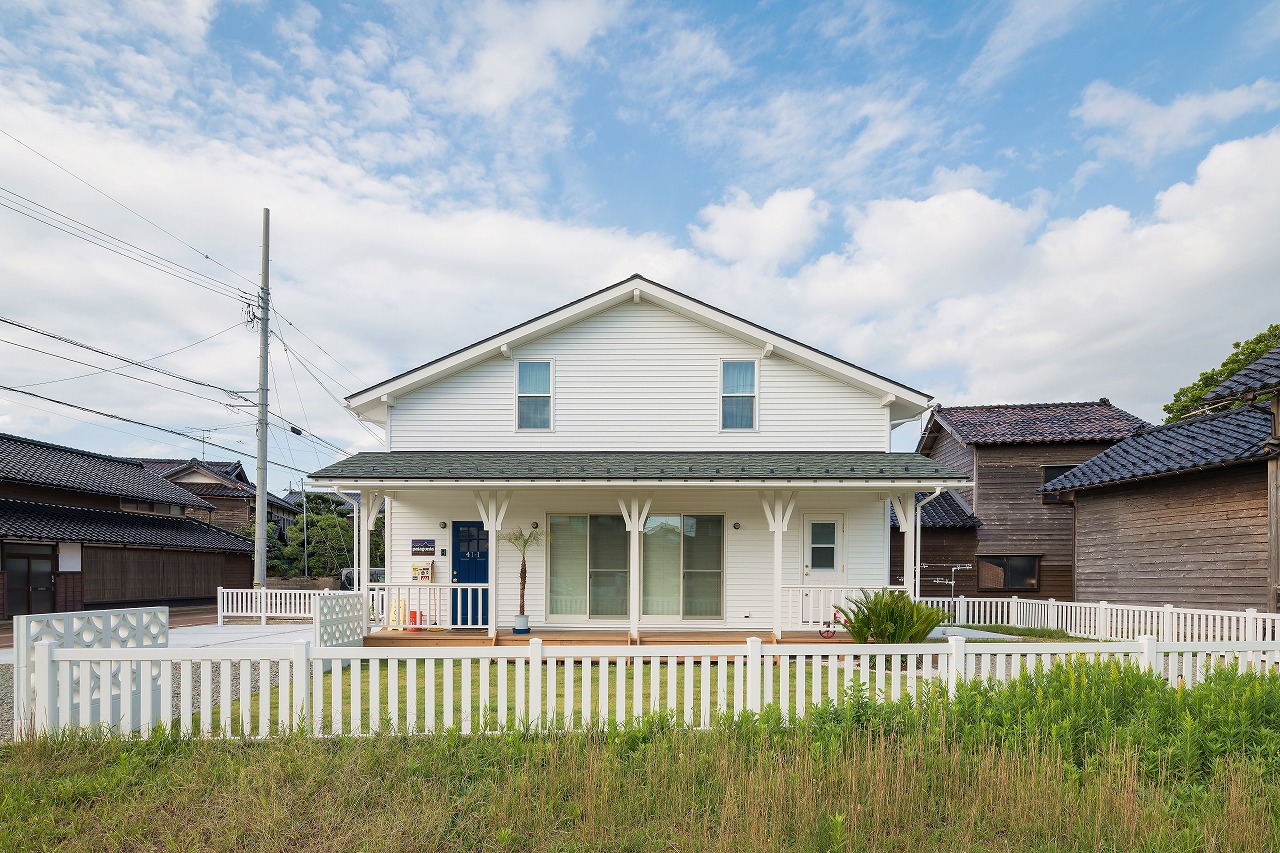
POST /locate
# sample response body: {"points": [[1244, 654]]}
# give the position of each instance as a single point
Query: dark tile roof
{"points": [[245, 493], [25, 460], [29, 520], [946, 510], [1209, 441], [1261, 377], [636, 465], [165, 467], [1038, 422]]}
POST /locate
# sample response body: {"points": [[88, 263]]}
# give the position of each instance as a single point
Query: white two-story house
{"points": [[685, 467]]}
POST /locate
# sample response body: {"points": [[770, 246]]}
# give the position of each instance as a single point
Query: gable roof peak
{"points": [[1016, 423], [904, 401]]}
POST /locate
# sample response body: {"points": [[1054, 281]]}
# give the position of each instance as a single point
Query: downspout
{"points": [[937, 492]]}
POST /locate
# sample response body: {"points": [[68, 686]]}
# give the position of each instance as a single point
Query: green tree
{"points": [[1188, 399], [328, 543], [277, 563]]}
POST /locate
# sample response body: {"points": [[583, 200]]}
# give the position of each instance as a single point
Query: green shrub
{"points": [[889, 616]]}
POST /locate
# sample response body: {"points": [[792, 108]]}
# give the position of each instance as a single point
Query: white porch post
{"points": [[777, 511], [635, 516], [362, 523], [493, 508], [904, 506]]}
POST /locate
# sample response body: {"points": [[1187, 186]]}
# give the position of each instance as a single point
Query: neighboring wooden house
{"points": [[82, 530], [690, 469], [1178, 514], [228, 488], [1002, 536]]}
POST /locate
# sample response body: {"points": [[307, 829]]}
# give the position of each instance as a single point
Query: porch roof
{"points": [[692, 467]]}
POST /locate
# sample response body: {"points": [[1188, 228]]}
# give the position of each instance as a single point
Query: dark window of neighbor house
{"points": [[1009, 573], [1053, 472]]}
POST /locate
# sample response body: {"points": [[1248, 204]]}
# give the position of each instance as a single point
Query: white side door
{"points": [[823, 565]]}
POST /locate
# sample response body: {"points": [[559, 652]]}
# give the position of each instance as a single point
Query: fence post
{"points": [[962, 614], [1251, 626], [220, 606], [301, 673], [955, 671], [262, 603], [1015, 616], [1147, 653], [1166, 628], [1051, 618], [46, 707], [535, 680], [753, 674], [1104, 619]]}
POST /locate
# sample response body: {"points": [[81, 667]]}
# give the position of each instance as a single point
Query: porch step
{"points": [[456, 637], [682, 638], [566, 637]]}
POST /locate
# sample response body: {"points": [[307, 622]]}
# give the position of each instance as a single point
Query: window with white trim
{"points": [[737, 395], [533, 395]]}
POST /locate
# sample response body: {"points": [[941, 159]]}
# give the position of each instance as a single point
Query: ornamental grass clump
{"points": [[889, 616]]}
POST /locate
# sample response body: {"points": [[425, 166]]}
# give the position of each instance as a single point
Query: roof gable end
{"points": [[903, 401]]}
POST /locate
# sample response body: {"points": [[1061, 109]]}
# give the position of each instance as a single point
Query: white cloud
{"points": [[966, 176], [776, 232], [1139, 130], [1027, 25]]}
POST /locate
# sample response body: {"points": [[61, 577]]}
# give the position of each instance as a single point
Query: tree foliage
{"points": [[277, 563], [1189, 399], [328, 544]]}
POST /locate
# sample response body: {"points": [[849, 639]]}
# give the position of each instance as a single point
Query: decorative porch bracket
{"points": [[904, 506], [492, 507], [777, 511], [635, 517]]}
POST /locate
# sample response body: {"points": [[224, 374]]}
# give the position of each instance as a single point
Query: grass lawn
{"points": [[1021, 766], [1053, 634]]}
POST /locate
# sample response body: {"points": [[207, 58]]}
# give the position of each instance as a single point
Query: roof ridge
{"points": [[1100, 402], [38, 443], [1201, 418]]}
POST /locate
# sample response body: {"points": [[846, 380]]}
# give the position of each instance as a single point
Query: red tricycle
{"points": [[829, 628]]}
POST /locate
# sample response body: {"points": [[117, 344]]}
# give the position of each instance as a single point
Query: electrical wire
{"points": [[125, 359], [144, 361], [41, 213], [317, 346], [145, 424], [323, 387], [107, 196]]}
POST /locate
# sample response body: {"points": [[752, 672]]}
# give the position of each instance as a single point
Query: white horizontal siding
{"points": [[748, 551], [639, 377]]}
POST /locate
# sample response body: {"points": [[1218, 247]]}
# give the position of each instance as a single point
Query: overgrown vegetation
{"points": [[888, 616], [1078, 757]]}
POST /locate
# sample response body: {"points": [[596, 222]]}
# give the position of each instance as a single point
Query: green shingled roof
{"points": [[635, 465]]}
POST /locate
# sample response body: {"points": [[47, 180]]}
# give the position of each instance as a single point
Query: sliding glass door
{"points": [[587, 573], [683, 566]]}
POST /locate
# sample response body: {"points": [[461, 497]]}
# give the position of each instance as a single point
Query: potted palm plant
{"points": [[522, 542]]}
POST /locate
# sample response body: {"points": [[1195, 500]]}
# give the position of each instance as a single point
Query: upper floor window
{"points": [[737, 395], [1053, 472], [533, 395], [149, 506]]}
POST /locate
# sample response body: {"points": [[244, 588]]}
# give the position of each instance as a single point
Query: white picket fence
{"points": [[357, 691], [266, 604]]}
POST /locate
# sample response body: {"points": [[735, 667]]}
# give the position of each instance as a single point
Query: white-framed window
{"points": [[682, 566], [822, 550], [738, 394], [533, 394]]}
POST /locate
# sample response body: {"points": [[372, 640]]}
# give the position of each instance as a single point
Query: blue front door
{"points": [[470, 565]]}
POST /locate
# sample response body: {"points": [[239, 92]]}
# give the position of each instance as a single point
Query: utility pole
{"points": [[264, 306], [306, 568]]}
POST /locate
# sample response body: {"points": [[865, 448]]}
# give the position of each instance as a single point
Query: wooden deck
{"points": [[587, 637]]}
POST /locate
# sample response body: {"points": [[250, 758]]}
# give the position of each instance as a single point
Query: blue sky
{"points": [[1009, 201]]}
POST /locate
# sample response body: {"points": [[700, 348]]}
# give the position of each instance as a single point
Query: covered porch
{"points": [[398, 637], [634, 545]]}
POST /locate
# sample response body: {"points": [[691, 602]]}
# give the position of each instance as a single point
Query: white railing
{"points": [[805, 607], [129, 628], [237, 692], [339, 620], [264, 604], [429, 605]]}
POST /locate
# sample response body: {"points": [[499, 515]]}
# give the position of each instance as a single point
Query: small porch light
{"points": [[737, 526], [443, 525], [534, 525]]}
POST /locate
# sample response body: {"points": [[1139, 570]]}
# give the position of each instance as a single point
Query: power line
{"points": [[104, 245], [317, 346], [145, 360], [303, 361], [85, 231], [114, 200], [144, 424], [125, 359], [115, 372]]}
